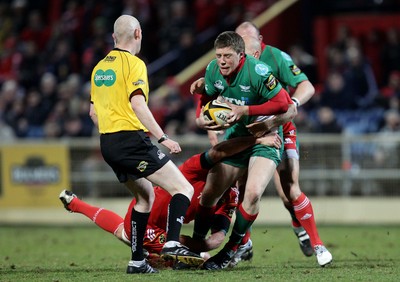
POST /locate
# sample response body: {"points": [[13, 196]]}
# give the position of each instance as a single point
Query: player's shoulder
{"points": [[257, 66], [212, 65], [278, 53], [212, 71]]}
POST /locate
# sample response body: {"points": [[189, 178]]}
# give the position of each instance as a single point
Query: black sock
{"points": [[202, 221], [138, 225], [176, 214]]}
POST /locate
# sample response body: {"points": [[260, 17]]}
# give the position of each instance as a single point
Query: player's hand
{"points": [[173, 146], [237, 112], [271, 139], [258, 129], [209, 125], [197, 86]]}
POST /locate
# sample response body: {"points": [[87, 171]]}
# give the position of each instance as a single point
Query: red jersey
{"points": [[156, 227]]}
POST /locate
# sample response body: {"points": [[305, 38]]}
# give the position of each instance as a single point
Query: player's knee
{"points": [[144, 205], [253, 198], [186, 190]]}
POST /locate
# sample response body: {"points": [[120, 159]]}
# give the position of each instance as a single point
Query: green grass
{"points": [[44, 253]]}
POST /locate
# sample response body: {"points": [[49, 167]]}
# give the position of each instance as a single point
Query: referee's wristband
{"points": [[296, 101], [163, 138]]}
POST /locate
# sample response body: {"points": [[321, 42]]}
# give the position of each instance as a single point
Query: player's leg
{"points": [[260, 172], [105, 219], [283, 174], [244, 251], [172, 180], [303, 208], [219, 179]]}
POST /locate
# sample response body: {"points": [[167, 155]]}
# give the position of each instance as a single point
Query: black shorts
{"points": [[131, 154]]}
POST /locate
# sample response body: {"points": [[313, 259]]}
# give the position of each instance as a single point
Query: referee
{"points": [[119, 97]]}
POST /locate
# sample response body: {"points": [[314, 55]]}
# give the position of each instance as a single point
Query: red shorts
{"points": [[289, 136]]}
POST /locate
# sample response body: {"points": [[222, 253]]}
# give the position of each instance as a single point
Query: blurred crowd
{"points": [[48, 49], [362, 85]]}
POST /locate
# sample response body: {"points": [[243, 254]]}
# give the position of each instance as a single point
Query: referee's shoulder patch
{"points": [[138, 82]]}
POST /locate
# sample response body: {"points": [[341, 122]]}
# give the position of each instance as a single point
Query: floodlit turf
{"points": [[361, 253]]}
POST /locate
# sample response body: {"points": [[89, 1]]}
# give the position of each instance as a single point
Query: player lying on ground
{"points": [[195, 169]]}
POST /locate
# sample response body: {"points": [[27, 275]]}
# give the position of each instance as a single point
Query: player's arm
{"points": [[261, 128], [304, 91], [212, 242], [197, 86], [292, 75], [277, 105], [236, 145], [145, 116]]}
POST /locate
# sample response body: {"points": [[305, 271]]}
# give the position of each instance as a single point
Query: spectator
{"points": [[386, 152], [178, 20], [360, 79], [63, 60], [48, 89], [30, 66], [303, 121], [6, 132], [10, 59], [52, 130], [390, 93], [326, 121], [391, 53], [35, 114], [6, 23], [372, 47], [393, 87], [335, 94], [35, 30]]}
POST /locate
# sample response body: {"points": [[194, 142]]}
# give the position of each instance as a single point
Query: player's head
{"points": [[127, 33], [229, 49], [252, 46], [249, 29]]}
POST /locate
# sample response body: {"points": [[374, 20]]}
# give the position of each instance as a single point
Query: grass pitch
{"points": [[83, 253]]}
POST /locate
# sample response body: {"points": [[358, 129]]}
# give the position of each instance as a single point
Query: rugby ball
{"points": [[216, 111]]}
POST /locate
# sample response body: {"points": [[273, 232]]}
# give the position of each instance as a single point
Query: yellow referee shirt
{"points": [[113, 81]]}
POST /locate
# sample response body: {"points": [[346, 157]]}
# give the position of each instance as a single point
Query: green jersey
{"points": [[282, 66], [252, 84]]}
